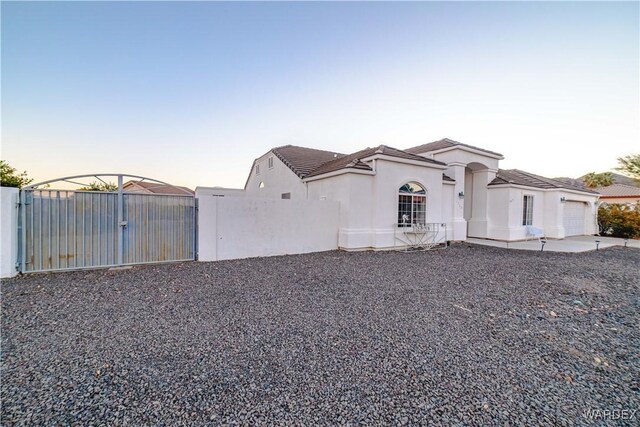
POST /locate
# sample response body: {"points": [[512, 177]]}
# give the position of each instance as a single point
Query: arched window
{"points": [[261, 185], [412, 204]]}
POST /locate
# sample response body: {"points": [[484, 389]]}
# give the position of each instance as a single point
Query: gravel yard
{"points": [[464, 336]]}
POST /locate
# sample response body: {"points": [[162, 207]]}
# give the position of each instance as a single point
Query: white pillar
{"points": [[456, 171], [479, 222], [8, 231]]}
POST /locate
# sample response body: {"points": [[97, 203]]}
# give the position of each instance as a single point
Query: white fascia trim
{"points": [[449, 182], [405, 161], [338, 172], [468, 149], [545, 190]]}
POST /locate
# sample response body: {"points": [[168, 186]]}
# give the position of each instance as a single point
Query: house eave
{"points": [[546, 190], [338, 172], [405, 161], [467, 149]]}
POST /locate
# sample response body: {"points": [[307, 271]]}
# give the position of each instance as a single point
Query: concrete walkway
{"points": [[569, 244]]}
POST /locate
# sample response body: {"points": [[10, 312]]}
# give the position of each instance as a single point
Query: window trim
{"points": [[414, 215], [270, 162], [257, 168], [527, 209]]}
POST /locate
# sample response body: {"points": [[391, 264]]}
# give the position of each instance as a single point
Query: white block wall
{"points": [[8, 231], [243, 227]]}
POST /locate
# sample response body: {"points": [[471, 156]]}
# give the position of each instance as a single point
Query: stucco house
{"points": [[145, 187], [619, 194], [457, 188]]}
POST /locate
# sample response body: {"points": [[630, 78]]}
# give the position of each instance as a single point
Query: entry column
{"points": [[479, 223]]}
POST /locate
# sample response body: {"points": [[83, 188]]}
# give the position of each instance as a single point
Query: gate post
{"points": [[22, 208], [121, 223]]}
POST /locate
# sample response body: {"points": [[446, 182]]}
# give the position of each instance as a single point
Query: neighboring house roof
{"points": [[353, 160], [527, 179], [157, 188], [618, 190], [617, 179], [445, 143], [303, 160]]}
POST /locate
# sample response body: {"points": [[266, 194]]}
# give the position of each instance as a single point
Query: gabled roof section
{"points": [[156, 188], [302, 160], [527, 179], [446, 143], [354, 160], [618, 190]]}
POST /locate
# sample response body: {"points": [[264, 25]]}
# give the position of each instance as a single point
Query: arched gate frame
{"points": [[76, 229]]}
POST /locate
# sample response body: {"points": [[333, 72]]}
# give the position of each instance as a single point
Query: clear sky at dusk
{"points": [[191, 93]]}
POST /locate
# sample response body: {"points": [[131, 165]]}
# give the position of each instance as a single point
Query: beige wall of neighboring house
{"points": [[620, 200], [619, 194]]}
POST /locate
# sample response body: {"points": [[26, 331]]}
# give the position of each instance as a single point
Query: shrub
{"points": [[619, 220]]}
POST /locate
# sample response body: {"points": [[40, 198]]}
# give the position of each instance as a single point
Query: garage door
{"points": [[574, 218]]}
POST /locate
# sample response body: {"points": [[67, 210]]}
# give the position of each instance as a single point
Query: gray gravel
{"points": [[463, 336]]}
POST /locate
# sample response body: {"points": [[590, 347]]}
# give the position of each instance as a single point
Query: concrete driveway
{"points": [[569, 244]]}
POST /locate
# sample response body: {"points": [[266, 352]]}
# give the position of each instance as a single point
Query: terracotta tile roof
{"points": [[353, 160], [618, 190], [302, 160], [445, 143], [519, 177], [157, 188]]}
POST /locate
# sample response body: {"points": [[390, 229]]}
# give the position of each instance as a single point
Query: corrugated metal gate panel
{"points": [[159, 228], [65, 230]]}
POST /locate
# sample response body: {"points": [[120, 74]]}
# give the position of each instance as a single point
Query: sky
{"points": [[191, 93]]}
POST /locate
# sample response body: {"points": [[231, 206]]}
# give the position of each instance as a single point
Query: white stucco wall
{"points": [[450, 200], [354, 193], [243, 227], [506, 210], [460, 155], [220, 191], [277, 180], [370, 202], [8, 231], [390, 176]]}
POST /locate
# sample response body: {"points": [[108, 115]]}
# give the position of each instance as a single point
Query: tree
{"points": [[619, 220], [593, 180], [100, 186], [9, 177], [630, 165]]}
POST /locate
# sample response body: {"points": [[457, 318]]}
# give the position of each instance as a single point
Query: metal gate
{"points": [[66, 229]]}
